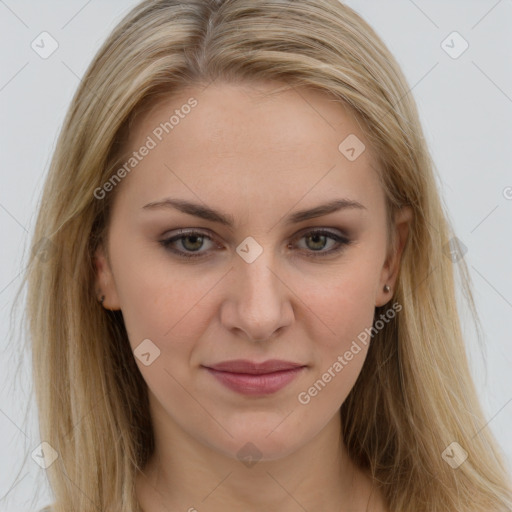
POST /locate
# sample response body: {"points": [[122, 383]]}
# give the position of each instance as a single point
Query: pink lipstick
{"points": [[252, 378]]}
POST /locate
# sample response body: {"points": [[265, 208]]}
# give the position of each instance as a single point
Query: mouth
{"points": [[251, 378]]}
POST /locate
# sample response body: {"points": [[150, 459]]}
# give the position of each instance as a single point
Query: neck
{"points": [[184, 474]]}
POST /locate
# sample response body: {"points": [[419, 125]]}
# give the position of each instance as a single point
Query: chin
{"points": [[261, 441]]}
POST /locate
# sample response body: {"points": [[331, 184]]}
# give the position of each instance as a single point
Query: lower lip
{"points": [[262, 384]]}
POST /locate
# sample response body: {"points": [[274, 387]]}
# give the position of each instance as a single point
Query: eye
{"points": [[192, 241], [317, 240]]}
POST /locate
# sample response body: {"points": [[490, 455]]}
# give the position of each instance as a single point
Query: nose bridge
{"points": [[261, 301], [258, 282]]}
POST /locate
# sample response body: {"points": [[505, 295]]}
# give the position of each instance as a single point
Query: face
{"points": [[264, 283]]}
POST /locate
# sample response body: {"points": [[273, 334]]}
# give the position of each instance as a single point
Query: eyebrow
{"points": [[204, 212]]}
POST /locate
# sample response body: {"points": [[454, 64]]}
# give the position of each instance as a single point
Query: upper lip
{"points": [[252, 367]]}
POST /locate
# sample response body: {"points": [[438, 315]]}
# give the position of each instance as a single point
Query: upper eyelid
{"points": [[183, 232], [340, 238]]}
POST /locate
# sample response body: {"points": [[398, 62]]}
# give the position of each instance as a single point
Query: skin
{"points": [[258, 157]]}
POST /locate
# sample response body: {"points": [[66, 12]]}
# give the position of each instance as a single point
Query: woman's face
{"points": [[260, 284]]}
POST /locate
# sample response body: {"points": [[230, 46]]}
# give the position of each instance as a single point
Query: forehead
{"points": [[229, 142]]}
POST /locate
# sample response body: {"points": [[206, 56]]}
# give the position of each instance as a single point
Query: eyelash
{"points": [[341, 241]]}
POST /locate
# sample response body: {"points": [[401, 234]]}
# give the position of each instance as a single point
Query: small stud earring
{"points": [[102, 299], [386, 288]]}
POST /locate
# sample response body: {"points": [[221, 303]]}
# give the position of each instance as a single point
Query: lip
{"points": [[252, 367], [251, 378]]}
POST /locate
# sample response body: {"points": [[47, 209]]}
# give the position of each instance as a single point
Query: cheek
{"points": [[159, 301], [166, 307], [345, 302], [345, 307]]}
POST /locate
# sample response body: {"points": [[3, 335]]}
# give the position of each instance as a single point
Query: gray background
{"points": [[466, 110]]}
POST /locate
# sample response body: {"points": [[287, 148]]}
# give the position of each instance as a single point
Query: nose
{"points": [[259, 300]]}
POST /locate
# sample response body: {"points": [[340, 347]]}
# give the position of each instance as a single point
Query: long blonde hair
{"points": [[414, 396]]}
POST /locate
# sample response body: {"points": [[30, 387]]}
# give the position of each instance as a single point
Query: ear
{"points": [[104, 280], [391, 266]]}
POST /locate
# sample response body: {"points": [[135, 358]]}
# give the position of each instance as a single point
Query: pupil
{"points": [[191, 237], [316, 238]]}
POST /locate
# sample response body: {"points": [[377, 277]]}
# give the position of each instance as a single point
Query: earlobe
{"points": [[106, 292], [403, 218]]}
